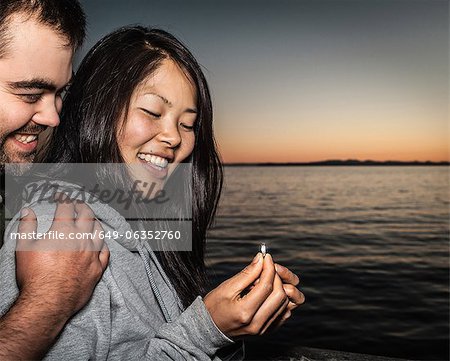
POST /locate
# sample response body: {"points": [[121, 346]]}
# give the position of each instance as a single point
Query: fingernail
{"points": [[24, 212], [256, 259]]}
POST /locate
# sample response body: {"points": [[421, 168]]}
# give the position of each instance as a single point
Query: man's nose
{"points": [[47, 115]]}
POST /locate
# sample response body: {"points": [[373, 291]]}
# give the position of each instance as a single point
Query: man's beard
{"points": [[3, 157], [17, 157], [14, 166]]}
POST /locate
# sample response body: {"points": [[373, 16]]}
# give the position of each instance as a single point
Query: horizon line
{"points": [[343, 162]]}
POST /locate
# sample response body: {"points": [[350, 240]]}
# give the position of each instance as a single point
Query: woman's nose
{"points": [[170, 135]]}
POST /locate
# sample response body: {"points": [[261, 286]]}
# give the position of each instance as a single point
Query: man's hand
{"points": [[63, 271], [56, 279]]}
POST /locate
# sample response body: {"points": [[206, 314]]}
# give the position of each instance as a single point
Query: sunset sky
{"points": [[311, 80]]}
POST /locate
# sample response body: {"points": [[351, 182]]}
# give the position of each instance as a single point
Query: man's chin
{"points": [[12, 151], [16, 164], [18, 157]]}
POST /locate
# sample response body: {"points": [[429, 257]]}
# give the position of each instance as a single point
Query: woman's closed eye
{"points": [[187, 126], [151, 113]]}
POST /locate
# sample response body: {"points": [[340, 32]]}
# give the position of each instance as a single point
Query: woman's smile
{"points": [[157, 166]]}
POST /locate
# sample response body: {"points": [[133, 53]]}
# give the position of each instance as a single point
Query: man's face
{"points": [[33, 73]]}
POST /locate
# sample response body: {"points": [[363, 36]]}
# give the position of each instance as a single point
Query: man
{"points": [[37, 42]]}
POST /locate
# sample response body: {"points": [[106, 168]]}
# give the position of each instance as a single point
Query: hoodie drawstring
{"points": [[163, 273], [153, 285]]}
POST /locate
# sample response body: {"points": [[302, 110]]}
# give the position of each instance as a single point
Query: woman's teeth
{"points": [[154, 159], [25, 139]]}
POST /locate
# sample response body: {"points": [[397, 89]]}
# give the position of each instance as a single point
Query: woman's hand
{"points": [[296, 298], [239, 314]]}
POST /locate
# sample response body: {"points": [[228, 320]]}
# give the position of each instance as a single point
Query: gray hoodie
{"points": [[134, 312]]}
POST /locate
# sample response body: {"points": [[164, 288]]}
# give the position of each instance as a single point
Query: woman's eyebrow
{"points": [[166, 101]]}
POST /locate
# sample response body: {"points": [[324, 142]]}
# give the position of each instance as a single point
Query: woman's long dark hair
{"points": [[94, 107]]}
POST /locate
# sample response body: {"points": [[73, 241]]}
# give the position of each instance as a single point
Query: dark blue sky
{"points": [[310, 80]]}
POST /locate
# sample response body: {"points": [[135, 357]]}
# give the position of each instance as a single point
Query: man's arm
{"points": [[30, 327], [54, 282]]}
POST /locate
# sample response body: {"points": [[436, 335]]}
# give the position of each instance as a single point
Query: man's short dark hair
{"points": [[66, 17]]}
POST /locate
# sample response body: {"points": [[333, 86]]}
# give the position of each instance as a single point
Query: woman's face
{"points": [[158, 131]]}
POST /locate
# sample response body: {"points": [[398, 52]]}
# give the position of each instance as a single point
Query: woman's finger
{"points": [[294, 294], [280, 312], [253, 300], [281, 319], [270, 309], [286, 275], [247, 276], [284, 316]]}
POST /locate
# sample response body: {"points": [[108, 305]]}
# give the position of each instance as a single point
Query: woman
{"points": [[140, 98]]}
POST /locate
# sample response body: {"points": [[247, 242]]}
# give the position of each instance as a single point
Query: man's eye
{"points": [[31, 98]]}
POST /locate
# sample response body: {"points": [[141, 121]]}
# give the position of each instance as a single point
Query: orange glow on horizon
{"points": [[311, 152]]}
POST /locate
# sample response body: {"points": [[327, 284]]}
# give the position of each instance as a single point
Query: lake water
{"points": [[371, 246]]}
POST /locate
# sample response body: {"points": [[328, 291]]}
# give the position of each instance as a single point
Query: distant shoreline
{"points": [[350, 162]]}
